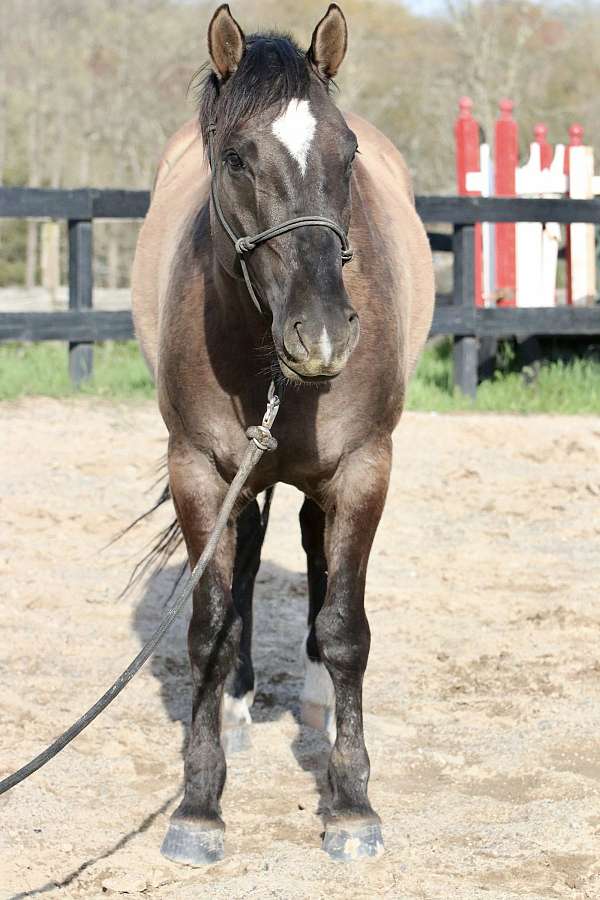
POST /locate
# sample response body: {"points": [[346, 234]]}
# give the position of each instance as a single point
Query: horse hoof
{"points": [[236, 739], [192, 845], [351, 843], [320, 717]]}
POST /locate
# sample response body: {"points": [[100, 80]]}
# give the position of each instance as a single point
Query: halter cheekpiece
{"points": [[247, 243]]}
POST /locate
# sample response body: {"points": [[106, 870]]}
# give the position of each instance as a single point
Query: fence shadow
{"points": [[280, 610]]}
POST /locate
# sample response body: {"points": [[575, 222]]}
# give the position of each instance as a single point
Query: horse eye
{"points": [[234, 161], [351, 161]]}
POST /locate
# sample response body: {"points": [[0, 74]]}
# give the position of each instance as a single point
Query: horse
{"points": [[218, 317]]}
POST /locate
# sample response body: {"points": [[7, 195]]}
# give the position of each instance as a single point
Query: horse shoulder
{"points": [[390, 197], [384, 159], [180, 187]]}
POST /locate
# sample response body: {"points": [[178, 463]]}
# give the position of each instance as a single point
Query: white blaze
{"points": [[325, 346], [295, 128]]}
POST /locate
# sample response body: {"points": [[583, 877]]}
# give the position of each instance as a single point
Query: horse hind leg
{"points": [[239, 690], [318, 697]]}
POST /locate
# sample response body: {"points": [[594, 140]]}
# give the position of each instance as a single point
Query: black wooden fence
{"points": [[82, 325]]}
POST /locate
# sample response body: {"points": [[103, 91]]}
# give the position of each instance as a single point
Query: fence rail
{"points": [[81, 325]]}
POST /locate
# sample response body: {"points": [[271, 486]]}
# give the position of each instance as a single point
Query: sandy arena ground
{"points": [[482, 695]]}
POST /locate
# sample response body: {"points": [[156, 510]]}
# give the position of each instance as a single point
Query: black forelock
{"points": [[272, 71]]}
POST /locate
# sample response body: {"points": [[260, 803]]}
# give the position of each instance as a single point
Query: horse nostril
{"points": [[297, 329], [293, 344]]}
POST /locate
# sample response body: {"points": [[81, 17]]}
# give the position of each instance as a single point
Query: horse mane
{"points": [[272, 71]]}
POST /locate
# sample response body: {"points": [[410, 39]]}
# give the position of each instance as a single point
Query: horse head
{"points": [[282, 151]]}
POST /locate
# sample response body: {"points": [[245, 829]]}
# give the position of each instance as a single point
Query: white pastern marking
{"points": [[318, 690], [318, 687], [295, 129], [236, 710], [326, 348]]}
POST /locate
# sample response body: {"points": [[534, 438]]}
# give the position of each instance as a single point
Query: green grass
{"points": [[120, 373], [555, 387], [43, 369]]}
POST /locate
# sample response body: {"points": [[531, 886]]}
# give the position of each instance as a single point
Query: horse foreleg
{"points": [[196, 830], [354, 504]]}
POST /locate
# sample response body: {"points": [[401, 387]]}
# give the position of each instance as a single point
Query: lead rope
{"points": [[260, 441]]}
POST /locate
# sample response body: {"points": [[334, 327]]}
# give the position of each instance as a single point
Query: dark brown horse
{"points": [[344, 343]]}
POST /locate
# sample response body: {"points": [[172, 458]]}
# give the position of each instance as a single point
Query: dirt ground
{"points": [[482, 695]]}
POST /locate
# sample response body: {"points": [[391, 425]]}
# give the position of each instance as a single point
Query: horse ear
{"points": [[226, 42], [329, 43]]}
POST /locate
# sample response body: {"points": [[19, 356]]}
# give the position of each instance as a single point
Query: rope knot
{"points": [[262, 437], [243, 245]]}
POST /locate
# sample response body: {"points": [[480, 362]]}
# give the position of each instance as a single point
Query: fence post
{"points": [[468, 159], [80, 294], [581, 251], [465, 353], [506, 162], [540, 136]]}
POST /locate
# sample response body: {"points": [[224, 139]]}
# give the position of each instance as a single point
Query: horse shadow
{"points": [[280, 615], [280, 611]]}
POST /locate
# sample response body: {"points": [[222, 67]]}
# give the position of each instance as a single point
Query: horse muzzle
{"points": [[317, 348]]}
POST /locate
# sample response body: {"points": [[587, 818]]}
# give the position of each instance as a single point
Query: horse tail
{"points": [[162, 547], [169, 539]]}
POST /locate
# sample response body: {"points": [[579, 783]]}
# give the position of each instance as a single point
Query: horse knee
{"points": [[344, 641], [213, 639]]}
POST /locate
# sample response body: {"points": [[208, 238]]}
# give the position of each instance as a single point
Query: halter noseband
{"points": [[247, 243]]}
